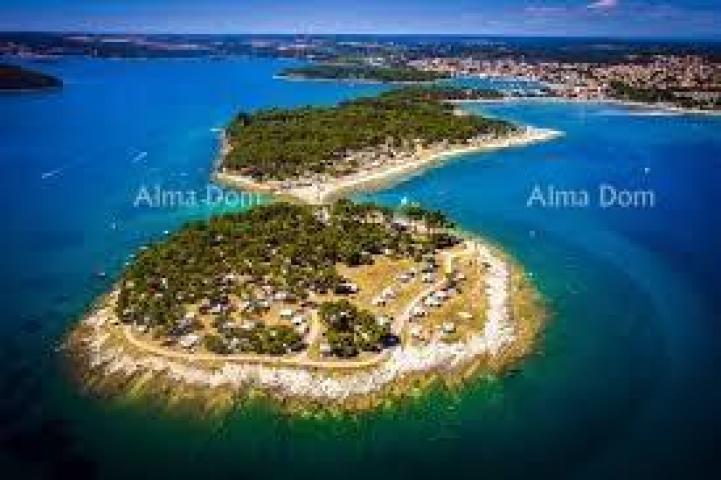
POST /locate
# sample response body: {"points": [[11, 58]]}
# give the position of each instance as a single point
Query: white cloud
{"points": [[603, 4]]}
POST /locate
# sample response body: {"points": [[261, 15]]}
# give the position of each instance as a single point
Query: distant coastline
{"points": [[359, 81], [363, 72]]}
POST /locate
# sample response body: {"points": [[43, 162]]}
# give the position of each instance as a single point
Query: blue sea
{"points": [[626, 381]]}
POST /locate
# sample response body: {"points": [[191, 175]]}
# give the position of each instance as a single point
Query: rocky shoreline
{"points": [[105, 359]]}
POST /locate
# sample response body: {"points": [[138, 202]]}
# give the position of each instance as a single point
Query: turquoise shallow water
{"points": [[625, 382]]}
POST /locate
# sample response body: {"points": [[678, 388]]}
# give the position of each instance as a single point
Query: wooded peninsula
{"points": [[361, 72], [281, 144]]}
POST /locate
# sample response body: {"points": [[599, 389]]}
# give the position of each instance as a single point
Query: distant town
{"points": [[691, 81], [675, 74]]}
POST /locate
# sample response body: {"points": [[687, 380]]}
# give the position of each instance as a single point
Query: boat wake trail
{"points": [[139, 157], [51, 173]]}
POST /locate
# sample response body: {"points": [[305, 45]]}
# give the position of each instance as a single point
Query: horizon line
{"points": [[358, 34]]}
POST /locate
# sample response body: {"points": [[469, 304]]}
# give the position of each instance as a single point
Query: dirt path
{"points": [[400, 322], [251, 358]]}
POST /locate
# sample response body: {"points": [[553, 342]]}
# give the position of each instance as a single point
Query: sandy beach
{"points": [[384, 175]]}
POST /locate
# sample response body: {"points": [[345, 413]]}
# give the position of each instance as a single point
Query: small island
{"points": [[339, 305], [14, 78], [361, 72], [316, 154]]}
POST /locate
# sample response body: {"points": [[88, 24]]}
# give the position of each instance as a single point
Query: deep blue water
{"points": [[626, 382]]}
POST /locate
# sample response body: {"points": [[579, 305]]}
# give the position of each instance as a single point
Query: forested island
{"points": [[314, 153], [221, 271], [18, 78], [311, 303], [362, 72]]}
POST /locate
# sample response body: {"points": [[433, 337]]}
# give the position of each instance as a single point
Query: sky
{"points": [[612, 18]]}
